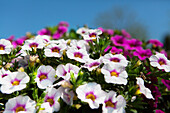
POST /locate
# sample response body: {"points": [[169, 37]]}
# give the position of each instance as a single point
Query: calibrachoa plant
{"points": [[83, 71]]}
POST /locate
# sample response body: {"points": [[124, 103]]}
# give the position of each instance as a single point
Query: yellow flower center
{"points": [[42, 77], [18, 109], [78, 55], [16, 82], [161, 63], [55, 50], [91, 96], [2, 48], [50, 101], [110, 104], [114, 74], [138, 92]]}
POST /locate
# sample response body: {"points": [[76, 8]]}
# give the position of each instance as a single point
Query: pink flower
{"points": [[143, 54], [60, 31], [159, 111], [115, 50], [11, 38], [133, 44], [44, 32], [62, 23], [125, 34], [155, 43], [118, 40], [166, 83]]}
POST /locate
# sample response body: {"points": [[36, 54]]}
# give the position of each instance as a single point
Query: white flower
{"points": [[78, 44], [5, 46], [67, 95], [92, 64], [78, 55], [114, 74], [82, 31], [91, 93], [15, 81], [113, 104], [46, 108], [4, 73], [64, 71], [44, 38], [160, 61], [117, 59], [92, 34], [54, 50], [33, 43], [20, 104], [52, 97], [45, 76], [142, 89]]}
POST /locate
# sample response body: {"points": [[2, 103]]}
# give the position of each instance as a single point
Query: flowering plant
{"points": [[87, 70]]}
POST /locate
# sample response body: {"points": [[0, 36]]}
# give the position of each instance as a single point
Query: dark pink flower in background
{"points": [[60, 31], [133, 44], [166, 83], [101, 29], [107, 48], [115, 50], [63, 23], [118, 40], [163, 52], [159, 111], [125, 33], [11, 38], [143, 54], [44, 32], [155, 43], [109, 31], [19, 41]]}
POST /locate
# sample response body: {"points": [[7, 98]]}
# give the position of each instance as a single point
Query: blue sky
{"points": [[20, 16]]}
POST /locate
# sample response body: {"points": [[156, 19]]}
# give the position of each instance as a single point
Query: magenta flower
{"points": [[159, 111], [166, 83], [115, 50], [118, 40], [143, 54], [155, 43], [63, 23], [133, 44], [59, 33], [11, 38], [109, 31], [125, 33], [44, 32]]}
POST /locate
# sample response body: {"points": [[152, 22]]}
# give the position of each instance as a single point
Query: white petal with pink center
{"points": [[78, 44], [117, 59], [15, 81], [5, 46], [114, 74], [54, 50], [91, 93], [113, 104], [46, 108], [33, 43], [20, 104], [92, 34], [160, 61], [44, 38], [45, 76], [142, 89], [65, 70], [4, 73], [92, 64], [80, 55], [52, 97], [82, 31]]}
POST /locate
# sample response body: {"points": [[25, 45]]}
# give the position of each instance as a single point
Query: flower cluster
{"points": [[87, 70]]}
